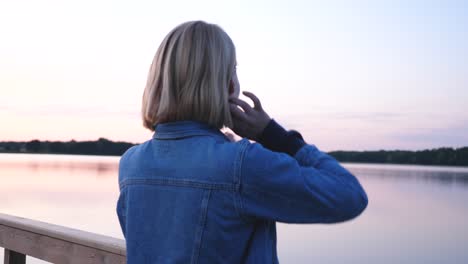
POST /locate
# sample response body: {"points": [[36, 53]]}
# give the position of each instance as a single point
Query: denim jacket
{"points": [[190, 195]]}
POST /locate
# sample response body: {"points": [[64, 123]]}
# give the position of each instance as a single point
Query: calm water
{"points": [[416, 214]]}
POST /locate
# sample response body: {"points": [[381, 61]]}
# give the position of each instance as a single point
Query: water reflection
{"points": [[416, 214], [427, 174], [102, 165]]}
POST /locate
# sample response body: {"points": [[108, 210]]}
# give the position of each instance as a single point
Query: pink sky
{"points": [[362, 76]]}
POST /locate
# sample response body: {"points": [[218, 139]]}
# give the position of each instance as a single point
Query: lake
{"points": [[416, 214]]}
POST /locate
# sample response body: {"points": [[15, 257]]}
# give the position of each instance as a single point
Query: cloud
{"points": [[375, 130], [368, 116], [70, 110], [320, 118], [452, 135]]}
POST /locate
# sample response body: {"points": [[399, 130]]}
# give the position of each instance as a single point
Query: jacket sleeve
{"points": [[306, 186]]}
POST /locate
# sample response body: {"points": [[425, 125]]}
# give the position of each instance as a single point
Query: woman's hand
{"points": [[250, 122]]}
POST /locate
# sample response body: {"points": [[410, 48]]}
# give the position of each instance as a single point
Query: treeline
{"points": [[100, 147], [440, 156]]}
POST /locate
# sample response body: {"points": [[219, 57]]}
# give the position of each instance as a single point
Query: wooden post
{"points": [[13, 257]]}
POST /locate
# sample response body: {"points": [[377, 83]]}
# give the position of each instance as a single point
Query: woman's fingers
{"points": [[236, 112], [244, 105], [247, 121], [257, 104]]}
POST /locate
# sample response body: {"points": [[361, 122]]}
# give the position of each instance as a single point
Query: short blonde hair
{"points": [[189, 77]]}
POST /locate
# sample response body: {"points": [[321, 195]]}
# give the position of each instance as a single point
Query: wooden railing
{"points": [[23, 237]]}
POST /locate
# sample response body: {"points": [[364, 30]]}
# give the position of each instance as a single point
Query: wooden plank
{"points": [[58, 244], [53, 249], [106, 243], [13, 257]]}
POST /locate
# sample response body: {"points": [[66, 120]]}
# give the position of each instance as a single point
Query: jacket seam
{"points": [[181, 183], [122, 209], [238, 191], [202, 223]]}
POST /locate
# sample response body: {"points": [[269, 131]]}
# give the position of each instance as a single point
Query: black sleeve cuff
{"points": [[276, 138]]}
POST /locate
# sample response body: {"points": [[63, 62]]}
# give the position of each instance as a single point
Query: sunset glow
{"points": [[357, 75]]}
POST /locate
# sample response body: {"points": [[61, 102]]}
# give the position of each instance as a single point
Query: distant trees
{"points": [[100, 147], [440, 156]]}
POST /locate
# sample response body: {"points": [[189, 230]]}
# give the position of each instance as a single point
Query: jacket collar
{"points": [[186, 128]]}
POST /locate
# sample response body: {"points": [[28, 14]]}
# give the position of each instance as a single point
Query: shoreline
{"points": [[370, 163]]}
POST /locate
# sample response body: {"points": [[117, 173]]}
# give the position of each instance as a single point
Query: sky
{"points": [[349, 75]]}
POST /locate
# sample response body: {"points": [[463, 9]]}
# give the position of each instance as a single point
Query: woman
{"points": [[190, 194]]}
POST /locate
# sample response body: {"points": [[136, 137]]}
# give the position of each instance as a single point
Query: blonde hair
{"points": [[189, 77]]}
